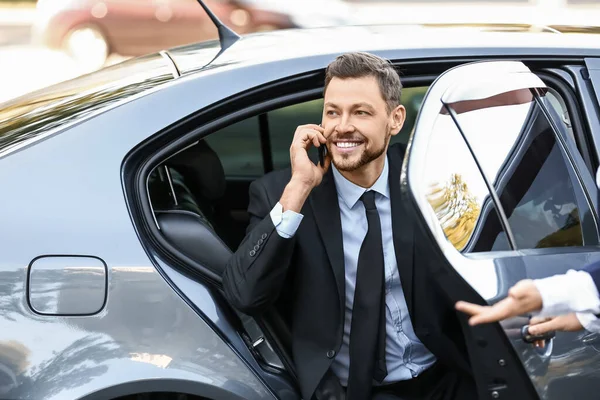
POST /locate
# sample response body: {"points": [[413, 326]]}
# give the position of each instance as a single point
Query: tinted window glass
{"points": [[518, 152], [411, 100], [283, 123], [238, 147]]}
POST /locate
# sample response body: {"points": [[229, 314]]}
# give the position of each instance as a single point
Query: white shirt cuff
{"points": [[286, 223], [574, 291], [589, 322]]}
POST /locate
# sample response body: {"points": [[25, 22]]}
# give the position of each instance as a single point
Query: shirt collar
{"points": [[350, 192]]}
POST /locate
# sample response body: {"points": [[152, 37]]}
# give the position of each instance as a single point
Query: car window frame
{"points": [[281, 93]]}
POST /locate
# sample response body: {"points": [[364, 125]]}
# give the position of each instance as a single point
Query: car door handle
{"points": [[529, 338]]}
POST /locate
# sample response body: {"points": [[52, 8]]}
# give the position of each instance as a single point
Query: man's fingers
{"points": [[539, 320], [306, 137], [314, 127], [322, 138], [521, 289], [486, 314], [315, 140], [544, 327], [479, 314], [318, 138], [469, 308]]}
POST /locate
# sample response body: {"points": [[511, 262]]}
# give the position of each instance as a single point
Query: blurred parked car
{"points": [[91, 30], [309, 13]]}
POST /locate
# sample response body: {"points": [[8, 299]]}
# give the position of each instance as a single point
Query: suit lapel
{"points": [[326, 209], [403, 231]]}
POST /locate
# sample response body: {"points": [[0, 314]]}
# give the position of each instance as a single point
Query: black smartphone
{"points": [[322, 154], [322, 149]]}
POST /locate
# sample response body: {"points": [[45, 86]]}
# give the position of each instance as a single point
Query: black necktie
{"points": [[367, 329]]}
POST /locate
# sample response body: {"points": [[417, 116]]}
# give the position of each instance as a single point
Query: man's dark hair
{"points": [[359, 65]]}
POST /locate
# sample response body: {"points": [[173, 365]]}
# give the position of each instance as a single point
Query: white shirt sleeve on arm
{"points": [[589, 322], [574, 291], [286, 222]]}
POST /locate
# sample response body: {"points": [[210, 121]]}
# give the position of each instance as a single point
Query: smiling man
{"points": [[332, 247]]}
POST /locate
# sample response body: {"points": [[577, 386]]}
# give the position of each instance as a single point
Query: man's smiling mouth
{"points": [[347, 144]]}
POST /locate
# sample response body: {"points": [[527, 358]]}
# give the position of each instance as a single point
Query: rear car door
{"points": [[500, 193]]}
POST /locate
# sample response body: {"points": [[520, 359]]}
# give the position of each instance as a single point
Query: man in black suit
{"points": [[334, 246]]}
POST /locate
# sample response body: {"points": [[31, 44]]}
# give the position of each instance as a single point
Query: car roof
{"points": [[58, 105], [400, 41], [38, 114]]}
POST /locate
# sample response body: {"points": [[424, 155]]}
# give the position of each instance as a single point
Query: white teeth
{"points": [[347, 144]]}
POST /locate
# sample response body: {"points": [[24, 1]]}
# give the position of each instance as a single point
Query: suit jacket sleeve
{"points": [[256, 272]]}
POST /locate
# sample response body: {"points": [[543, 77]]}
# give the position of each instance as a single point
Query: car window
{"points": [[518, 151], [283, 123], [412, 97], [239, 145], [239, 149]]}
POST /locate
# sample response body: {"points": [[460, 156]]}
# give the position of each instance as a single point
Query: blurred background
{"points": [[47, 41]]}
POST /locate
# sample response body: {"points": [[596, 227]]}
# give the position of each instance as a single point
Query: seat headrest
{"points": [[202, 170], [193, 236]]}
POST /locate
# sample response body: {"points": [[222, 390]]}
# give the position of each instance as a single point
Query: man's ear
{"points": [[397, 117]]}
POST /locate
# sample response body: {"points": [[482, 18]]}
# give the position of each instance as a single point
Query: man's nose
{"points": [[345, 125]]}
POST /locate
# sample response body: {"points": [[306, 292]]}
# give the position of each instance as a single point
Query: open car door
{"points": [[500, 193]]}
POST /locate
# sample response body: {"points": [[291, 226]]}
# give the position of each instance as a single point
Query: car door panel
{"points": [[535, 184]]}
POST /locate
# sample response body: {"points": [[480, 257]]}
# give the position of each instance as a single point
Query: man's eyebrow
{"points": [[357, 105], [363, 104]]}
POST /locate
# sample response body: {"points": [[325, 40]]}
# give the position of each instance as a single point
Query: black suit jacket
{"points": [[305, 275]]}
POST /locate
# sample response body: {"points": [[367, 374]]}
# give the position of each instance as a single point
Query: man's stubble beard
{"points": [[366, 157]]}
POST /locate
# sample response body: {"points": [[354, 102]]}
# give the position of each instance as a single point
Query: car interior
{"points": [[189, 199]]}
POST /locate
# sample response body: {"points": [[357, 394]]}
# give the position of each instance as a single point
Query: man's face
{"points": [[357, 123]]}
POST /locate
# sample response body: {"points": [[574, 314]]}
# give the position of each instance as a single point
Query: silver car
{"points": [[124, 191]]}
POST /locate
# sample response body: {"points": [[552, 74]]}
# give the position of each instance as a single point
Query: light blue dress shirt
{"points": [[406, 356]]}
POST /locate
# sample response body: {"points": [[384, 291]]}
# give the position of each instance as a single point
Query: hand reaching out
{"points": [[522, 298]]}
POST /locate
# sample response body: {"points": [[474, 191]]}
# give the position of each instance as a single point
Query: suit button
{"points": [[256, 247], [260, 241], [252, 253], [264, 236], [330, 354]]}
